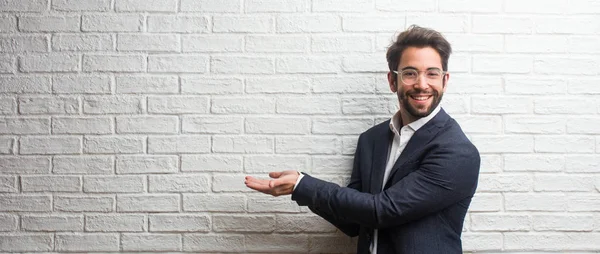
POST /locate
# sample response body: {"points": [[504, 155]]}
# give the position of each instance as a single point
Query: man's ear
{"points": [[392, 82]]}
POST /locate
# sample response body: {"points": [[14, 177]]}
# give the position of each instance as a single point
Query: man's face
{"points": [[424, 95]]}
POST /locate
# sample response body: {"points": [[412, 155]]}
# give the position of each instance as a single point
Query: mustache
{"points": [[421, 92]]}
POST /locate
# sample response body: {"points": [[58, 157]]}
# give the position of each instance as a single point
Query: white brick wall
{"points": [[128, 125]]}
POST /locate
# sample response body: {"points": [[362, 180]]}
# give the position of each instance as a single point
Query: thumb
{"points": [[275, 174]]}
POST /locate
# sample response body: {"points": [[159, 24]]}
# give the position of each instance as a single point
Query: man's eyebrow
{"points": [[414, 68]]}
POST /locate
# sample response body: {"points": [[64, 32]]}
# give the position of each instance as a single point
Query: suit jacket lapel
{"points": [[421, 137], [380, 153]]}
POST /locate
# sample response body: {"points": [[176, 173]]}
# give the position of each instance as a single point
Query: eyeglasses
{"points": [[411, 76]]}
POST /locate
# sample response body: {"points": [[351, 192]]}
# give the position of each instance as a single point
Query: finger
{"points": [[275, 174], [256, 181], [259, 187]]}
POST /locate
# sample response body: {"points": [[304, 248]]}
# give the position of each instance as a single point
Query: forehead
{"points": [[420, 58]]}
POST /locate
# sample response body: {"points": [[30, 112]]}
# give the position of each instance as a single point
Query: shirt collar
{"points": [[416, 125]]}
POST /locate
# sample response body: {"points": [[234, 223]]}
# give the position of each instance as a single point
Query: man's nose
{"points": [[421, 82]]}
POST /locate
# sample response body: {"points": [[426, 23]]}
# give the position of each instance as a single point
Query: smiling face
{"points": [[421, 98]]}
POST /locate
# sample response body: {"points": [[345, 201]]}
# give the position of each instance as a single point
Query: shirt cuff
{"points": [[300, 176]]}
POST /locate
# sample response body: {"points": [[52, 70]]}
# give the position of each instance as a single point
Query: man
{"points": [[413, 176]]}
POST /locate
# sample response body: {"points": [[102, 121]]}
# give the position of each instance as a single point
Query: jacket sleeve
{"points": [[445, 176], [347, 227]]}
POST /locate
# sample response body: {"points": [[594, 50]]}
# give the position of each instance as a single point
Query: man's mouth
{"points": [[420, 97]]}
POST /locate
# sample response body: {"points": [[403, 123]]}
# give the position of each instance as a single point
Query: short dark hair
{"points": [[416, 36]]}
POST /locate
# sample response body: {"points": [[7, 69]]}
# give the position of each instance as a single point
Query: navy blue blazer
{"points": [[424, 202]]}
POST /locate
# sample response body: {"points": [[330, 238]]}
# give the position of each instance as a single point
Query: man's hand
{"points": [[281, 184]]}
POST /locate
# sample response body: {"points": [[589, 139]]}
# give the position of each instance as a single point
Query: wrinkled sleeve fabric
{"points": [[446, 175]]}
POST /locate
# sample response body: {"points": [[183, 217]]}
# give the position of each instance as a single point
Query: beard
{"points": [[413, 111]]}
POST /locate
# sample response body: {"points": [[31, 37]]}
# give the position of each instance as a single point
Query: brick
{"points": [[72, 84], [534, 162], [211, 163], [84, 242], [112, 23], [213, 243], [242, 24], [211, 43], [24, 165], [560, 222], [114, 144], [81, 5], [332, 164], [177, 63], [147, 124], [67, 23], [24, 5], [564, 144], [481, 124], [88, 165], [547, 182], [26, 242], [144, 164], [48, 105], [8, 64], [308, 105], [582, 163], [178, 24], [84, 203], [148, 42], [242, 144], [528, 85], [179, 223], [369, 106], [243, 223], [343, 85], [52, 222], [266, 164], [310, 64], [273, 85], [6, 145], [8, 106], [51, 183], [214, 203], [477, 43], [349, 145], [536, 124], [583, 203], [50, 145], [581, 7], [341, 43], [203, 85], [505, 183], [179, 183], [114, 184], [54, 62], [217, 6], [341, 125], [23, 43], [276, 243], [583, 125], [82, 42], [308, 23], [152, 243], [8, 184], [214, 125], [561, 65], [486, 202], [474, 6], [154, 84], [115, 223], [302, 223], [242, 105], [458, 63], [276, 6], [503, 144], [445, 23], [8, 23], [536, 43], [456, 104], [114, 63], [178, 104], [179, 144], [279, 43], [241, 65], [355, 23], [482, 241], [146, 6], [367, 63], [25, 203], [559, 106], [502, 24], [500, 222], [342, 6], [264, 125], [148, 203], [501, 105], [281, 204], [553, 6], [8, 222], [307, 145], [551, 241], [535, 202], [503, 64], [229, 183], [82, 125]]}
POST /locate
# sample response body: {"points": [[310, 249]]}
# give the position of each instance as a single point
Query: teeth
{"points": [[420, 98]]}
